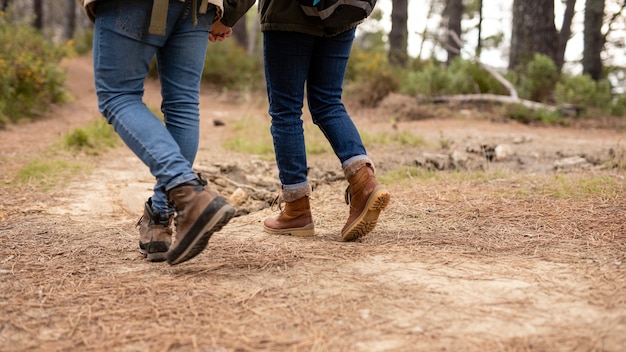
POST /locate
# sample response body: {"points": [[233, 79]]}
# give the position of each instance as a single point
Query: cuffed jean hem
{"points": [[354, 164], [177, 181], [294, 192]]}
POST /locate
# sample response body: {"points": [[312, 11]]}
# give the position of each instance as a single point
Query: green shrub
{"points": [[538, 80], [480, 79], [92, 139], [526, 115], [618, 108], [583, 90], [370, 77], [461, 77], [30, 76], [83, 42]]}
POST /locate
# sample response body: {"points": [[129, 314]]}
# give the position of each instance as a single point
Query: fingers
{"points": [[219, 32]]}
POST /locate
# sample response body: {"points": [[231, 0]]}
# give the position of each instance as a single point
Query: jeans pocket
{"points": [[133, 17], [206, 20]]}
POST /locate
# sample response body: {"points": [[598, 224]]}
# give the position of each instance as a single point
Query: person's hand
{"points": [[219, 32]]}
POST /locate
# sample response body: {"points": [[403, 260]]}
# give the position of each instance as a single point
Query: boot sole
{"points": [[216, 215], [156, 257], [306, 231], [159, 256], [367, 220]]}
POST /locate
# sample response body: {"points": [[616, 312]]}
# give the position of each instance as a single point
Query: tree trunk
{"points": [[479, 41], [593, 42], [566, 33], [454, 14], [38, 11], [70, 25], [398, 37], [533, 32]]}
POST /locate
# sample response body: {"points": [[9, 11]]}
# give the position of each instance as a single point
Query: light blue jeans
{"points": [[293, 61], [122, 52]]}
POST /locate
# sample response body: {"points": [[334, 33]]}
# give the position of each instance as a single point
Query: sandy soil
{"points": [[499, 262]]}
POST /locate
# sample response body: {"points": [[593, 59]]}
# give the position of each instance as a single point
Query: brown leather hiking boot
{"points": [[367, 198], [155, 234], [200, 213], [294, 220]]}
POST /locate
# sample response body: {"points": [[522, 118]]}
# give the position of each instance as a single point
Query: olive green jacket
{"points": [[228, 11], [286, 15]]}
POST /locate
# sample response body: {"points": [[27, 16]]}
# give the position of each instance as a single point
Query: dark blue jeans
{"points": [[122, 52], [293, 61]]}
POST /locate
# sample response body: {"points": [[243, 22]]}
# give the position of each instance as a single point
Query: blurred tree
{"points": [[38, 12], [533, 31], [566, 32], [398, 37], [600, 23], [479, 40], [454, 14], [70, 25], [593, 38]]}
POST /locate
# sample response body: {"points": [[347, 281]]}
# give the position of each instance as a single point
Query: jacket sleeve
{"points": [[234, 10]]}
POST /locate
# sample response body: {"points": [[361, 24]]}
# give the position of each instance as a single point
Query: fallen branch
{"points": [[465, 98]]}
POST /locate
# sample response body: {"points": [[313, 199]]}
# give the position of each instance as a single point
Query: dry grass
{"points": [[551, 269]]}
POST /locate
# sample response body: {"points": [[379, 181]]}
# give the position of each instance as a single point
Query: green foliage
{"points": [[582, 187], [83, 42], [92, 139], [371, 77], [618, 108], [30, 76], [433, 80], [583, 90], [482, 81], [526, 115], [45, 173], [538, 79], [404, 138], [228, 65], [461, 77]]}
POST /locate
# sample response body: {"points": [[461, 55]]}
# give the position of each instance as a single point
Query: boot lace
{"points": [[277, 204], [138, 224]]}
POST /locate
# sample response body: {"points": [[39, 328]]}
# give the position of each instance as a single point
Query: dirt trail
{"points": [[463, 264]]}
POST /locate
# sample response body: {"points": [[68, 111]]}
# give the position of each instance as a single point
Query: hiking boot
{"points": [[294, 220], [155, 234], [200, 213], [367, 198]]}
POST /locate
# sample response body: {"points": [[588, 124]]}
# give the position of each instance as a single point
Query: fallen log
{"points": [[492, 98]]}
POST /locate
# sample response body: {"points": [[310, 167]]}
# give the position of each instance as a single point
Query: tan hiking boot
{"points": [[200, 213], [155, 234], [367, 198], [294, 220]]}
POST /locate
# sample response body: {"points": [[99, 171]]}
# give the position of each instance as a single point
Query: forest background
{"points": [[432, 50]]}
